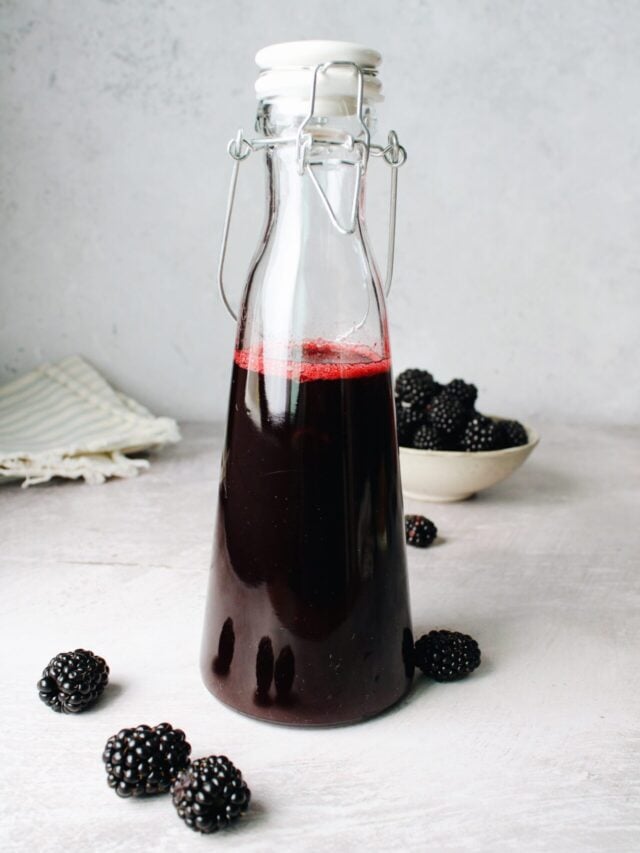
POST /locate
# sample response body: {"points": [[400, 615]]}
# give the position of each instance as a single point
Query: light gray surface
{"points": [[518, 250], [537, 751]]}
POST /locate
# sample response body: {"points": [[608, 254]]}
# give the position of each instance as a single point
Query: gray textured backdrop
{"points": [[519, 235]]}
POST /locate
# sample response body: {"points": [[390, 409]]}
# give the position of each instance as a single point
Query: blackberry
{"points": [[415, 387], [427, 437], [447, 414], [408, 420], [511, 434], [479, 434], [446, 655], [210, 794], [73, 681], [145, 760], [463, 391], [419, 531]]}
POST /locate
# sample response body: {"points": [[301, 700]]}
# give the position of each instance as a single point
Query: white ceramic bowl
{"points": [[451, 475]]}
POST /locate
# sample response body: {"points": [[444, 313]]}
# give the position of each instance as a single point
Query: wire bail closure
{"points": [[239, 148]]}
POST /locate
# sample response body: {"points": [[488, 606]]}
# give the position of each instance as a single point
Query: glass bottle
{"points": [[307, 616]]}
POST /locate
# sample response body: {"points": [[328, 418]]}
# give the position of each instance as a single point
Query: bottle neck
{"points": [[311, 281], [324, 167], [327, 198]]}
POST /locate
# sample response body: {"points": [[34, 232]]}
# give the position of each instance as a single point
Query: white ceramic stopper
{"points": [[286, 72]]}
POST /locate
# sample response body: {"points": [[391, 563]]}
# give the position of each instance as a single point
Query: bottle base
{"points": [[278, 714]]}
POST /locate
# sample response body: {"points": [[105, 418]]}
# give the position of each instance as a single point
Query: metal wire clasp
{"points": [[304, 141], [239, 148]]}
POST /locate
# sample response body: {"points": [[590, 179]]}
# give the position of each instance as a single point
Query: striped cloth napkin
{"points": [[65, 420]]}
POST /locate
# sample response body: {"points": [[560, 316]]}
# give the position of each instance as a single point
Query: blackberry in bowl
{"points": [[450, 450]]}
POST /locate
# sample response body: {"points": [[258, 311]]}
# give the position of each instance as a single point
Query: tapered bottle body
{"points": [[307, 614]]}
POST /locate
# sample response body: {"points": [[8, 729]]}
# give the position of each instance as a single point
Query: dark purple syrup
{"points": [[308, 616]]}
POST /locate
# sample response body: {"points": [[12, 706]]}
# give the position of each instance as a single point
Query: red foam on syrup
{"points": [[316, 360]]}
